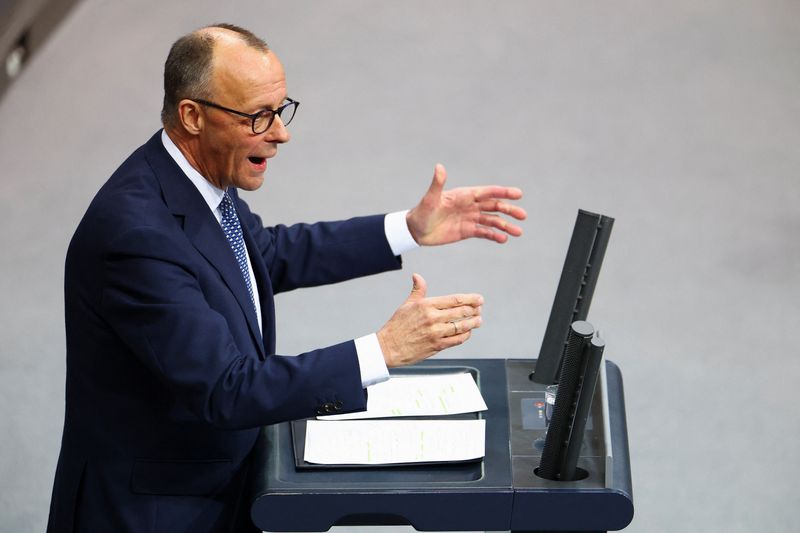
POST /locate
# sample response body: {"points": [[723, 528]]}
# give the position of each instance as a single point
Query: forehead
{"points": [[247, 77]]}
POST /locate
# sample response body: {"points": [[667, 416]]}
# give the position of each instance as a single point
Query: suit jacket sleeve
{"points": [[161, 307], [307, 255]]}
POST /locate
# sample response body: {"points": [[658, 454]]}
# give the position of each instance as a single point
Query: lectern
{"points": [[499, 493], [503, 491]]}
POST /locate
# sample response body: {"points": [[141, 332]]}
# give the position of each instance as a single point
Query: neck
{"points": [[189, 146]]}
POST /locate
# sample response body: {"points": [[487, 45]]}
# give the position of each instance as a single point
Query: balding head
{"points": [[219, 81], [188, 70]]}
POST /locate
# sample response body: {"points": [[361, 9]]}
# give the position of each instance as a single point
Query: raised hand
{"points": [[444, 217], [422, 326]]}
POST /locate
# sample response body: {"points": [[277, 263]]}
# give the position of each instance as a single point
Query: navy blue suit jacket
{"points": [[168, 375]]}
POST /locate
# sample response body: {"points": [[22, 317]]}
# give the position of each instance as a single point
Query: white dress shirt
{"points": [[370, 357]]}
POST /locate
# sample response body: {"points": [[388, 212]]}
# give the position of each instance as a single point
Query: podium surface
{"points": [[499, 493]]}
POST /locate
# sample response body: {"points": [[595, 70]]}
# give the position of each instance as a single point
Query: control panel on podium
{"points": [[556, 449]]}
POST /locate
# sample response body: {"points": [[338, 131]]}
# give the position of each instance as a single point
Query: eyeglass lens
{"points": [[264, 120]]}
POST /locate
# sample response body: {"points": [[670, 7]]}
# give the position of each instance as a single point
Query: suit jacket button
{"points": [[337, 405], [328, 407], [320, 411]]}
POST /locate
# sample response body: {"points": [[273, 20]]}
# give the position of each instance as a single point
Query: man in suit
{"points": [[169, 289]]}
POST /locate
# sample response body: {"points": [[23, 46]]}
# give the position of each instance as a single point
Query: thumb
{"points": [[439, 179], [419, 289]]}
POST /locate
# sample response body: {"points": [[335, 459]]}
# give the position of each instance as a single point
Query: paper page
{"points": [[420, 395], [376, 442]]}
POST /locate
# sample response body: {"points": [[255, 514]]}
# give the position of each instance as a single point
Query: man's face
{"points": [[249, 81]]}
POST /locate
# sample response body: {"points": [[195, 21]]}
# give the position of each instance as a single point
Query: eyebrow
{"points": [[267, 108]]}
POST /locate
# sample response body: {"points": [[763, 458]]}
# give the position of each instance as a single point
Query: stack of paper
{"points": [[358, 438]]}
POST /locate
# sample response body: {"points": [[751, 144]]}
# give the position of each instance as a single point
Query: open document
{"points": [[385, 439], [420, 395], [377, 442]]}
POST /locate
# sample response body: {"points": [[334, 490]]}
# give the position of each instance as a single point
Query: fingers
{"points": [[489, 192], [454, 328], [497, 222], [423, 326], [455, 340], [458, 313], [460, 319], [482, 232], [439, 179], [419, 288], [456, 300], [439, 174], [496, 206]]}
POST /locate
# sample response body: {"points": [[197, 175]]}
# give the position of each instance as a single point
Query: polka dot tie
{"points": [[233, 232]]}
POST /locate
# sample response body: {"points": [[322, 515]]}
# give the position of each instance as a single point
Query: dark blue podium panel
{"points": [[604, 499], [499, 493]]}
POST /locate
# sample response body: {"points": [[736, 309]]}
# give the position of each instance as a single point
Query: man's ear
{"points": [[190, 116]]}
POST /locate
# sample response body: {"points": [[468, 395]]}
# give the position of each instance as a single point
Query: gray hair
{"points": [[188, 68]]}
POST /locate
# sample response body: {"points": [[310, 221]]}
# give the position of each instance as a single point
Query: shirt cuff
{"points": [[396, 228], [370, 360]]}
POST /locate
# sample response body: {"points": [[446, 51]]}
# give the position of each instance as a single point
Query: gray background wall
{"points": [[681, 119]]}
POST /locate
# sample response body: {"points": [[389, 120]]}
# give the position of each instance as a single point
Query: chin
{"points": [[250, 184]]}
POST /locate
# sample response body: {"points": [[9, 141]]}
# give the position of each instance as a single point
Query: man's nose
{"points": [[277, 132]]}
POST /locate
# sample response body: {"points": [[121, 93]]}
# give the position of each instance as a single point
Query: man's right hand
{"points": [[422, 327]]}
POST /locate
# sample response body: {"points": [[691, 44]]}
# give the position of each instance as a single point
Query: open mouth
{"points": [[258, 161]]}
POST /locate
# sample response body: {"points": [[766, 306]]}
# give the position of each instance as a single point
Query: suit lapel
{"points": [[202, 228]]}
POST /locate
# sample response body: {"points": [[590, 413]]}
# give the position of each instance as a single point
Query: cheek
{"points": [[235, 155], [244, 148], [223, 150]]}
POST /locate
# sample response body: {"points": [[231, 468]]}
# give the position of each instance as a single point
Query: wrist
{"points": [[386, 348], [415, 230], [410, 226], [398, 233]]}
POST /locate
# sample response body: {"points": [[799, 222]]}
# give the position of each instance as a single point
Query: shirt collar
{"points": [[210, 193]]}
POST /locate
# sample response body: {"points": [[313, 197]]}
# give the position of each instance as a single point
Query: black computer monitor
{"points": [[571, 352], [582, 265]]}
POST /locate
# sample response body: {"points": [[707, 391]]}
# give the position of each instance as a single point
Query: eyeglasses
{"points": [[262, 120]]}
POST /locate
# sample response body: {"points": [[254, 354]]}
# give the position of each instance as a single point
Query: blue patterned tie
{"points": [[233, 232]]}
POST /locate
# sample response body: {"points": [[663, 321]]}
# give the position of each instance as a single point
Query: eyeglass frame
{"points": [[254, 116]]}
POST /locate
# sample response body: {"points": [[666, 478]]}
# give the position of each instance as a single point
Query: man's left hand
{"points": [[444, 217]]}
